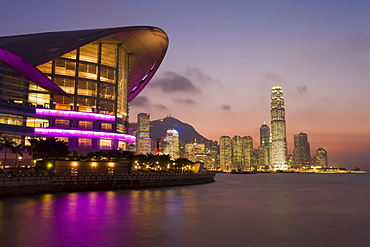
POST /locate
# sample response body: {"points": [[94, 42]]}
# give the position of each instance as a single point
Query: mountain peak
{"points": [[187, 133]]}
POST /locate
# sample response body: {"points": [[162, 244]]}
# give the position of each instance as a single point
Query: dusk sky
{"points": [[224, 57]]}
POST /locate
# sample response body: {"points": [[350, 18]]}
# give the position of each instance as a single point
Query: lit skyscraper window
{"points": [[278, 130]]}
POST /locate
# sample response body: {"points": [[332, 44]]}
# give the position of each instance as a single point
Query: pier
{"points": [[28, 184]]}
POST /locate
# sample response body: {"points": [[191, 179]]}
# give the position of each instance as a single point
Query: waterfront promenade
{"points": [[20, 185]]}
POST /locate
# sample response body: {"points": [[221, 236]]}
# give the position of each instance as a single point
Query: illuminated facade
{"points": [[264, 135], [248, 152], [278, 130], [76, 85], [321, 157], [173, 140], [301, 151], [143, 141], [226, 162], [237, 153], [195, 151]]}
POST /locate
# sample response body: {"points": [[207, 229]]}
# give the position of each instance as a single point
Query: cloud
{"points": [[272, 77], [302, 89], [184, 101], [173, 82], [226, 107], [140, 101], [199, 75], [358, 41], [160, 107]]}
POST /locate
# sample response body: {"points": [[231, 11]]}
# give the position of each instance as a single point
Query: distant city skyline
{"points": [[224, 57]]}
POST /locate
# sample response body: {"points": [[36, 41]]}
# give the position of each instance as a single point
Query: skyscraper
{"points": [[143, 141], [225, 153], [321, 157], [248, 151], [264, 148], [264, 135], [301, 151], [237, 151], [172, 138], [278, 130]]}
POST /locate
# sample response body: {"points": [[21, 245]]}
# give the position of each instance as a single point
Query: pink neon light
{"points": [[74, 114], [85, 134]]}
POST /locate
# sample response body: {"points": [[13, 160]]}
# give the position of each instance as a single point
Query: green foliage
{"points": [[7, 143], [48, 149]]}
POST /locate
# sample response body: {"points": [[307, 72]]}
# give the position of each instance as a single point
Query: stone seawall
{"points": [[21, 185]]}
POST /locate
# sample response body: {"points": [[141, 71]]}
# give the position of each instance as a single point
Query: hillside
{"points": [[187, 133]]}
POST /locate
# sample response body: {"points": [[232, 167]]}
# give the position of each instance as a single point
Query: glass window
{"points": [[45, 68], [67, 84], [71, 55], [62, 123], [107, 91], [106, 126], [86, 104], [109, 54], [65, 67], [89, 53], [63, 102], [122, 145], [105, 144], [107, 74], [37, 122], [11, 119], [106, 107], [87, 88], [85, 124], [39, 99], [84, 143], [88, 71]]}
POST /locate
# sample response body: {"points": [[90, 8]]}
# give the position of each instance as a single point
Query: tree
{"points": [[48, 149], [6, 143], [18, 149]]}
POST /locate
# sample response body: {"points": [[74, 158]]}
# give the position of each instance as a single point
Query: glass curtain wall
{"points": [[96, 78]]}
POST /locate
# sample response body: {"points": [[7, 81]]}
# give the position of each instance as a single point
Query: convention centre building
{"points": [[76, 85]]}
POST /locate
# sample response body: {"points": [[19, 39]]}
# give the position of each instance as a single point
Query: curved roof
{"points": [[146, 45]]}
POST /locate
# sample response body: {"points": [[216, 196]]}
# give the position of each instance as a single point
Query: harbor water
{"points": [[237, 210]]}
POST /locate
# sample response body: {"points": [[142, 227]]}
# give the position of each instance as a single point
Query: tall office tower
{"points": [[321, 157], [237, 152], [172, 138], [278, 130], [301, 152], [264, 135], [194, 150], [248, 151], [225, 153], [263, 157], [143, 141]]}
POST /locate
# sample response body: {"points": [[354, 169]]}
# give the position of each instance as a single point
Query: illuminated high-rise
{"points": [[248, 152], [264, 135], [143, 141], [301, 151], [321, 157], [237, 152], [225, 153], [172, 138], [278, 130]]}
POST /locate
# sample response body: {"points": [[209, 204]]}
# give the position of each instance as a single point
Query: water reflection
{"points": [[261, 210]]}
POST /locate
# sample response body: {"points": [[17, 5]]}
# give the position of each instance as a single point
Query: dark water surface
{"points": [[236, 210]]}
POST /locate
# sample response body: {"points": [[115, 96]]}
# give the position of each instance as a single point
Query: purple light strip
{"points": [[28, 70], [84, 134], [74, 114]]}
